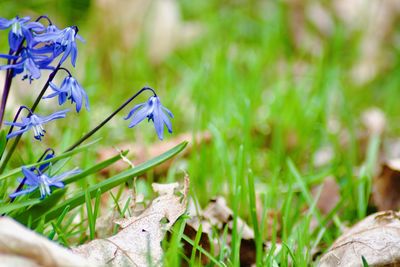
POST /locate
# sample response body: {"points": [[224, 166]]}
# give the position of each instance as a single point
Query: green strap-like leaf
{"points": [[106, 185], [42, 206], [3, 141], [62, 156]]}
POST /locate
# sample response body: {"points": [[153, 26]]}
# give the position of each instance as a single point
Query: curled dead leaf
{"points": [[376, 238], [20, 246], [214, 219], [385, 187], [139, 242]]}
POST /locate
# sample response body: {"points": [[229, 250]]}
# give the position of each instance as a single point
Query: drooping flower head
{"points": [[154, 111], [28, 63], [70, 89], [61, 41], [36, 123], [35, 179], [21, 29], [41, 47]]}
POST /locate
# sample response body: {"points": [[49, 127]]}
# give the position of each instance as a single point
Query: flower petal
{"points": [[138, 117]]}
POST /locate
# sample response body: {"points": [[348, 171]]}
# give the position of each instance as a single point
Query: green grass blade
{"points": [[41, 206], [112, 182], [253, 213], [16, 206], [58, 223], [95, 168], [3, 141], [196, 245], [62, 156], [89, 211]]}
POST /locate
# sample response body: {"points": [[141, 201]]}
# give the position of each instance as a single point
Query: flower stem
{"points": [[35, 104], [89, 134], [6, 91], [46, 18], [8, 81]]}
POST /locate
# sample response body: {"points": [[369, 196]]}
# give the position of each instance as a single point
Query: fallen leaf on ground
{"points": [[377, 238], [139, 152], [329, 195], [20, 246], [214, 219], [139, 242], [385, 186]]}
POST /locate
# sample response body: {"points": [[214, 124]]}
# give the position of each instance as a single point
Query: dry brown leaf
{"points": [[219, 214], [329, 195], [139, 152], [377, 238], [385, 187], [191, 230], [214, 219], [140, 239], [20, 246]]}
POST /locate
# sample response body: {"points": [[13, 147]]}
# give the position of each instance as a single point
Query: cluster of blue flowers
{"points": [[34, 48]]}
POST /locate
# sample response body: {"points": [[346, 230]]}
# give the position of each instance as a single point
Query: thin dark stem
{"points": [[21, 184], [45, 153], [16, 118], [46, 18], [35, 104], [89, 134], [6, 92], [49, 80], [66, 70], [8, 81]]}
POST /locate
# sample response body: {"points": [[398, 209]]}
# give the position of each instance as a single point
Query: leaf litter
{"points": [[137, 244], [139, 241], [376, 238]]}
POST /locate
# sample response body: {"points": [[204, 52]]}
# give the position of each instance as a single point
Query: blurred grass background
{"points": [[273, 81]]}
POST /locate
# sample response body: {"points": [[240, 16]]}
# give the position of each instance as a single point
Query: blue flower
{"points": [[20, 28], [36, 122], [61, 41], [28, 63], [152, 110], [70, 89], [35, 180]]}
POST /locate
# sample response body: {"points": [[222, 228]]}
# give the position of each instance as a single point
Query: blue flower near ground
{"points": [[36, 123], [152, 110], [34, 179], [70, 89], [62, 41], [20, 28]]}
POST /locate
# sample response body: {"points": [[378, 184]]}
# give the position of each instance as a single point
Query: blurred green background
{"points": [[271, 81]]}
